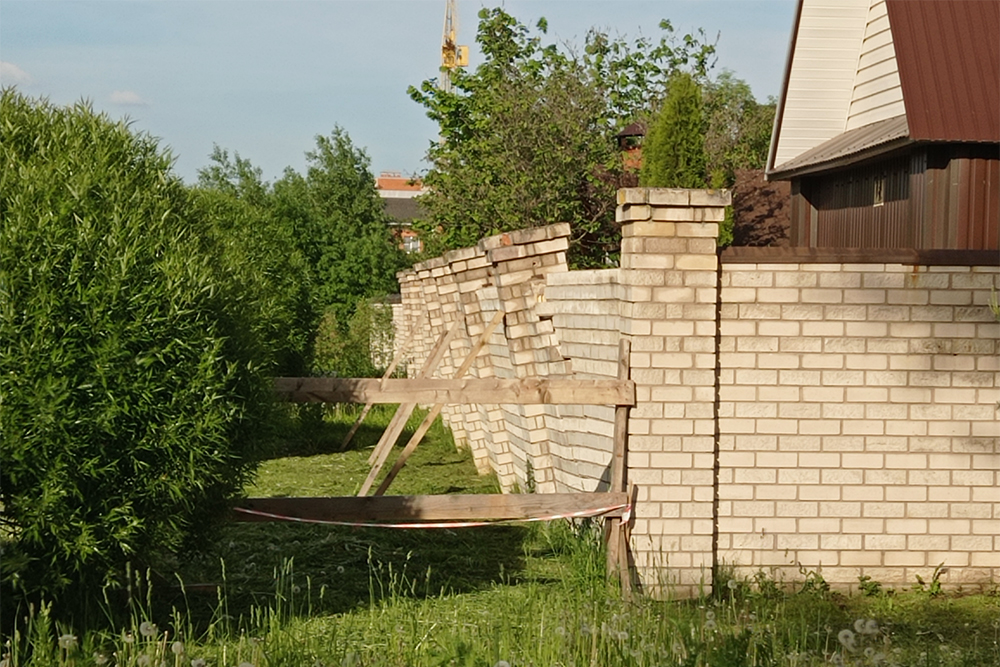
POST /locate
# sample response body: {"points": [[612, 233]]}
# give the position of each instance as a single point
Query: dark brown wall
{"points": [[933, 197]]}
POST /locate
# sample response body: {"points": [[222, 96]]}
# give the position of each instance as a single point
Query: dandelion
{"points": [[710, 615], [584, 629], [622, 636], [871, 627], [502, 663], [340, 569], [246, 664], [100, 659], [732, 585], [561, 631], [142, 661], [177, 648], [710, 625], [128, 638], [67, 642], [5, 661], [296, 589], [859, 625], [198, 662], [847, 640], [147, 629]]}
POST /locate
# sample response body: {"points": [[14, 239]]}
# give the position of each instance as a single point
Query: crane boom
{"points": [[452, 55]]}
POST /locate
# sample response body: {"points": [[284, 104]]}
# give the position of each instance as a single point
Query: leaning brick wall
{"points": [[858, 420], [584, 307]]}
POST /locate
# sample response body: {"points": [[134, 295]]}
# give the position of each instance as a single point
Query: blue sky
{"points": [[264, 77]]}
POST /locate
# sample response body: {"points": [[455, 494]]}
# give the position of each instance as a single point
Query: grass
{"points": [[287, 594]]}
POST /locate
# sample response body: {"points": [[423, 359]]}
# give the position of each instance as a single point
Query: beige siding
{"points": [[877, 94], [822, 79]]}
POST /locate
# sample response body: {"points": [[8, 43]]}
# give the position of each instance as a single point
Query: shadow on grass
{"points": [[333, 569]]}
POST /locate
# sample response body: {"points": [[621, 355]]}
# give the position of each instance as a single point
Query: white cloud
{"points": [[128, 98], [12, 74]]}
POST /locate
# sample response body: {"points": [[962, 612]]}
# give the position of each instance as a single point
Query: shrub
{"points": [[134, 383]]}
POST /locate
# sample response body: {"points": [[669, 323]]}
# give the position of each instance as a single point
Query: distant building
{"points": [[399, 194], [888, 125]]}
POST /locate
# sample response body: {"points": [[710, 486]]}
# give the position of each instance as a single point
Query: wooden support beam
{"points": [[526, 391], [411, 446], [388, 373], [465, 507], [615, 533], [406, 407]]}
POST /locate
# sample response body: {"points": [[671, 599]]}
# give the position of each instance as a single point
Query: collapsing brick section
{"points": [[837, 417]]}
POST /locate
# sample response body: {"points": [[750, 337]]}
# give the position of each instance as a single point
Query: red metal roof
{"points": [[948, 54]]}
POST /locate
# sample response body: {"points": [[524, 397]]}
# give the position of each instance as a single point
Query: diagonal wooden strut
{"points": [[411, 446], [402, 415], [388, 373]]}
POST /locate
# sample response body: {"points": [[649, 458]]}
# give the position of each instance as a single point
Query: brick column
{"points": [[668, 278]]}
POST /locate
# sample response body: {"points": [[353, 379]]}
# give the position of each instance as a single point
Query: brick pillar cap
{"points": [[674, 197]]}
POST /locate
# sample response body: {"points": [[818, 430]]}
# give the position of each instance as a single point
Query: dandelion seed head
{"points": [[710, 625], [246, 664], [869, 652], [340, 569], [710, 615], [142, 661], [871, 627], [5, 661], [502, 663], [100, 659], [198, 662], [859, 625], [622, 636], [296, 589], [147, 629], [177, 648], [128, 638], [847, 640], [67, 642], [561, 631], [732, 585]]}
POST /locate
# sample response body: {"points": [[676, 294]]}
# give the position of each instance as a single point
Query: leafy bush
{"points": [[133, 375]]}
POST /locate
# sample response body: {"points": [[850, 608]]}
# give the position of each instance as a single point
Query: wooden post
{"points": [[617, 556], [411, 446], [388, 373], [404, 411]]}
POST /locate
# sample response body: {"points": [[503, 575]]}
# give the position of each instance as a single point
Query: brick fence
{"points": [[831, 412]]}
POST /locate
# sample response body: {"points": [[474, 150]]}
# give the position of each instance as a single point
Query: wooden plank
{"points": [[617, 544], [464, 507], [388, 373], [406, 408], [526, 391], [411, 446]]}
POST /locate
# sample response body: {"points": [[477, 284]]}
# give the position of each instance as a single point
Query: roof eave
{"points": [[840, 161], [780, 111]]}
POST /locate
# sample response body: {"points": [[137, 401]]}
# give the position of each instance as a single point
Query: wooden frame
{"points": [[615, 503]]}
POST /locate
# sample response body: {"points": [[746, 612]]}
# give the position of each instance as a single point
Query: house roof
{"points": [[949, 68], [866, 76]]}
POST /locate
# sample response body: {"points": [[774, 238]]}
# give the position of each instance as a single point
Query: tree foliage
{"points": [[673, 154], [328, 228], [134, 388], [737, 128], [528, 137]]}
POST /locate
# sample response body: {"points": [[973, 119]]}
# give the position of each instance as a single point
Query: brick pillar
{"points": [[668, 278]]}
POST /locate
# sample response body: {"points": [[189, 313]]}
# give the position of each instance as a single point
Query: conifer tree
{"points": [[673, 154]]}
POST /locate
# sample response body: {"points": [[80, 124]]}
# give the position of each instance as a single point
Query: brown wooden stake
{"points": [[398, 423], [411, 446], [388, 373], [403, 412], [614, 533]]}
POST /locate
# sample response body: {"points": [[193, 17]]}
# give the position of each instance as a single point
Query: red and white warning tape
{"points": [[626, 515]]}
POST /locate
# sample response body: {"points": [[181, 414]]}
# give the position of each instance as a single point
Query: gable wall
{"points": [[877, 94], [821, 82]]}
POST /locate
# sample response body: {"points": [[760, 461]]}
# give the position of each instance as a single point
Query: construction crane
{"points": [[452, 55]]}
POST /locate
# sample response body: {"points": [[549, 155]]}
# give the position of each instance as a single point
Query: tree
{"points": [[738, 128], [528, 137], [324, 235], [133, 374], [673, 154]]}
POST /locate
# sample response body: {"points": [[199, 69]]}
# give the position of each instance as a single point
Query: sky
{"points": [[264, 77]]}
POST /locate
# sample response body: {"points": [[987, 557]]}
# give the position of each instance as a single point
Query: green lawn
{"points": [[292, 594]]}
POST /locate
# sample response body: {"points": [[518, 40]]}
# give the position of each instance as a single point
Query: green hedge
{"points": [[134, 391]]}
